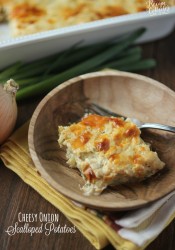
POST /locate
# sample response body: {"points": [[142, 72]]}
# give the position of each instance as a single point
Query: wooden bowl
{"points": [[128, 94]]}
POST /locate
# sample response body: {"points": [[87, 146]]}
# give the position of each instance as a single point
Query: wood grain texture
{"points": [[131, 95], [13, 190]]}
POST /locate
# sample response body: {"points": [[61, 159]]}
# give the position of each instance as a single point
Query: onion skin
{"points": [[8, 109]]}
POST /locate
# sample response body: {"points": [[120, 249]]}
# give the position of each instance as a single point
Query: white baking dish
{"points": [[35, 46]]}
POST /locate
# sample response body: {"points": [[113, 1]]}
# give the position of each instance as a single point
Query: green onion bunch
{"points": [[40, 76]]}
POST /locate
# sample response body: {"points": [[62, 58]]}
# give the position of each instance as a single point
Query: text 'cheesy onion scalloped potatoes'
{"points": [[107, 151]]}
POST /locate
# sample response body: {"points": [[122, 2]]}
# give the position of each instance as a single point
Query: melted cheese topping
{"points": [[27, 17], [107, 151]]}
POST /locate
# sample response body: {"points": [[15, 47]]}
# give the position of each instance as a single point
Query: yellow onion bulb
{"points": [[8, 109]]}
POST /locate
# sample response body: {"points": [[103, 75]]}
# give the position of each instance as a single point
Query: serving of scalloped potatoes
{"points": [[107, 151]]}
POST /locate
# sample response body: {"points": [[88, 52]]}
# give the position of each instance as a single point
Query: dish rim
{"points": [[84, 27]]}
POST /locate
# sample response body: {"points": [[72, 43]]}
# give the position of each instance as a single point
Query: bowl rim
{"points": [[45, 175]]}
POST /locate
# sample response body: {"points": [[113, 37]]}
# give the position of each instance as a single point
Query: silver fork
{"points": [[102, 111]]}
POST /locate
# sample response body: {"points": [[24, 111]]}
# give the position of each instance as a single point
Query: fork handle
{"points": [[158, 126]]}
